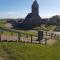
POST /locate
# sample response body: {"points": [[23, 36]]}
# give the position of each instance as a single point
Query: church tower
{"points": [[35, 9], [33, 18]]}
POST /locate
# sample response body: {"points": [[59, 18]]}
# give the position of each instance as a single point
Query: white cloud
{"points": [[19, 14], [7, 12], [11, 15], [49, 14]]}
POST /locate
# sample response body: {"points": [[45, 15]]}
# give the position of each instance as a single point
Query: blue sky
{"points": [[20, 8]]}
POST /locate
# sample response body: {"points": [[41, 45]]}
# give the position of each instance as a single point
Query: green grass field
{"points": [[26, 51]]}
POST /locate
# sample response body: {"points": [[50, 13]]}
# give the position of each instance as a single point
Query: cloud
{"points": [[49, 14], [10, 15], [7, 12]]}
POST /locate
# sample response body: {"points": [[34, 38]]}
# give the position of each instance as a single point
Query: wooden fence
{"points": [[24, 37], [9, 38]]}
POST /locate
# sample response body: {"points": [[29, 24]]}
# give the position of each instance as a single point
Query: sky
{"points": [[20, 8]]}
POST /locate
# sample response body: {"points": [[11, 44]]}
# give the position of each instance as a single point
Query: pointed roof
{"points": [[35, 3]]}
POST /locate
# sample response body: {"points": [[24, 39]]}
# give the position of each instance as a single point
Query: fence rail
{"points": [[24, 37]]}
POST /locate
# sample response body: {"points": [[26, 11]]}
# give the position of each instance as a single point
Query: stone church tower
{"points": [[35, 9], [33, 18]]}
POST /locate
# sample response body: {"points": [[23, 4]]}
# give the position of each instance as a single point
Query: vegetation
{"points": [[2, 23], [46, 27], [26, 51], [23, 51], [54, 20]]}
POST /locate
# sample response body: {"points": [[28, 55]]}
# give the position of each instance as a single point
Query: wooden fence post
{"points": [[0, 37], [46, 33], [39, 41], [51, 35], [40, 36], [31, 38], [55, 35], [19, 35], [45, 41]]}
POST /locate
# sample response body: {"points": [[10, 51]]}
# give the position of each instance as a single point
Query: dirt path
{"points": [[50, 42], [1, 58]]}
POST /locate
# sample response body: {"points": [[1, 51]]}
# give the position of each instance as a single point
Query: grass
{"points": [[2, 23], [46, 28], [43, 27], [26, 51]]}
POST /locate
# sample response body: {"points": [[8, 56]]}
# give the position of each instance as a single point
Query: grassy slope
{"points": [[46, 28], [2, 23], [20, 51]]}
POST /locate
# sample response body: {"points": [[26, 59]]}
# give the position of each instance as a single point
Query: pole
{"points": [[31, 38], [19, 35]]}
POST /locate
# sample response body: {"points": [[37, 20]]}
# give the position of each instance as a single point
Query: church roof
{"points": [[35, 3]]}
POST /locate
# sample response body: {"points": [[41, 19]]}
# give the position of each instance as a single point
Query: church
{"points": [[33, 18]]}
